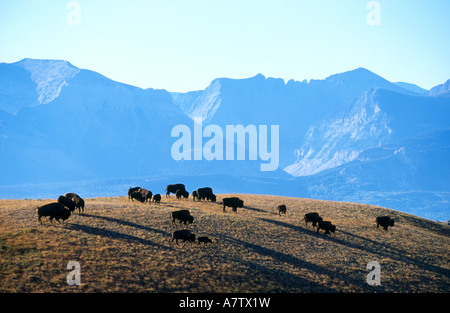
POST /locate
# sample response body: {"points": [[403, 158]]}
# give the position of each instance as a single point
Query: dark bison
{"points": [[54, 211], [385, 221], [138, 196], [184, 216], [173, 189], [157, 198], [233, 202], [206, 193], [312, 217], [281, 209], [146, 194], [194, 195], [68, 203], [131, 190], [182, 193], [327, 226], [184, 235], [204, 239], [79, 202]]}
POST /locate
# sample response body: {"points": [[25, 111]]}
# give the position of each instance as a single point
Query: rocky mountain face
{"points": [[352, 136]]}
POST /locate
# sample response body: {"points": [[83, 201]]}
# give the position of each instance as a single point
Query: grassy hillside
{"points": [[126, 246]]}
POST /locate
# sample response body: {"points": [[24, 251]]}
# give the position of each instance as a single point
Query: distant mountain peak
{"points": [[358, 73], [50, 76], [34, 63], [440, 90]]}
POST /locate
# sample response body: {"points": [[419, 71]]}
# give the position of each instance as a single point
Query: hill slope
{"points": [[126, 246]]}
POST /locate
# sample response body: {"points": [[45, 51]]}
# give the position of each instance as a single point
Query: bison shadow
{"points": [[254, 209], [297, 262], [369, 246], [117, 235]]}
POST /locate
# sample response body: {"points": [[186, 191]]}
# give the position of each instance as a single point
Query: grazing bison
{"points": [[54, 211], [138, 196], [79, 202], [206, 193], [157, 198], [281, 209], [194, 195], [146, 194], [131, 190], [184, 235], [184, 216], [182, 193], [68, 203], [204, 239], [385, 221], [312, 217], [233, 202], [327, 226], [173, 189]]}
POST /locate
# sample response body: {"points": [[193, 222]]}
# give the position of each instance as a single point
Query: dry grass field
{"points": [[125, 246]]}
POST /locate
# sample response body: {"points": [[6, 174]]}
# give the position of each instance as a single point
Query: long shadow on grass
{"points": [[117, 235], [297, 262], [373, 247], [130, 224]]}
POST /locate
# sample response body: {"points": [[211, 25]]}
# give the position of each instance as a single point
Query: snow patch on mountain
{"points": [[332, 143], [202, 104], [440, 90], [50, 76]]}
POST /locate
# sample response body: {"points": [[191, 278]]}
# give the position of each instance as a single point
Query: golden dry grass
{"points": [[126, 246]]}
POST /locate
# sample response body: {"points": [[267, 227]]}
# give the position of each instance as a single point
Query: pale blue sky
{"points": [[182, 45]]}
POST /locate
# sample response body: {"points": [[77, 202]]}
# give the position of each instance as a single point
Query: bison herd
{"points": [[61, 209], [65, 205]]}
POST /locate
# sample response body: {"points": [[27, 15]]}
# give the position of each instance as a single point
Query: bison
{"points": [[138, 196], [281, 209], [233, 202], [131, 190], [327, 226], [79, 202], [146, 195], [312, 217], [385, 221], [54, 210], [182, 193], [184, 235], [157, 198], [184, 216], [68, 203], [173, 188], [206, 193], [204, 239], [194, 195]]}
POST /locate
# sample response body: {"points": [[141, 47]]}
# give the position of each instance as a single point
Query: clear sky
{"points": [[182, 45]]}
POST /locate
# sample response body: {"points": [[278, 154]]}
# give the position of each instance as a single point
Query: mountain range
{"points": [[353, 136]]}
